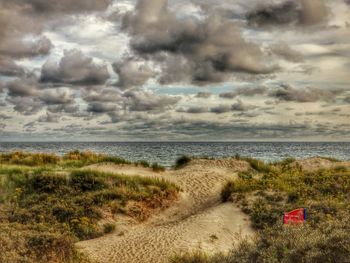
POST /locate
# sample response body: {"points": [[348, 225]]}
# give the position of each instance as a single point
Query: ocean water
{"points": [[166, 153]]}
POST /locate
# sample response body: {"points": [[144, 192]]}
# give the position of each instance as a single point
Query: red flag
{"points": [[297, 216]]}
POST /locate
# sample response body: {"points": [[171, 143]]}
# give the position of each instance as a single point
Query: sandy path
{"points": [[198, 220]]}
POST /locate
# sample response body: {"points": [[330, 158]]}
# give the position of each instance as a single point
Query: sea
{"points": [[166, 153]]}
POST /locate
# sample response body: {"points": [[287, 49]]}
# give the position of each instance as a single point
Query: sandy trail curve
{"points": [[197, 221]]}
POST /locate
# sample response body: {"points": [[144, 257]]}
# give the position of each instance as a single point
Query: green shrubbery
{"points": [[45, 209], [182, 162], [73, 159]]}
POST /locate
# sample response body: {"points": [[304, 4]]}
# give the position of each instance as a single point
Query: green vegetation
{"points": [[73, 159], [46, 205], [182, 162], [266, 191]]}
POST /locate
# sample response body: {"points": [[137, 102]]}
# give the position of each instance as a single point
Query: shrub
{"points": [[182, 162], [158, 168], [35, 244], [108, 228]]}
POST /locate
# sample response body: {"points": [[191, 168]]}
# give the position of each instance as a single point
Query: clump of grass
{"points": [[35, 244], [332, 159], [108, 228], [79, 159], [182, 162], [157, 167], [30, 159], [143, 163]]}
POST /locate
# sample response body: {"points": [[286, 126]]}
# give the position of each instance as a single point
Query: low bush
{"points": [[157, 167], [182, 162]]}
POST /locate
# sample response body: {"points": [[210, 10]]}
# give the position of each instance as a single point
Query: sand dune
{"points": [[197, 221]]}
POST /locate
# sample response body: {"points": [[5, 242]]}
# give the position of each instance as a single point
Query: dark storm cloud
{"points": [[201, 51], [289, 93], [74, 68], [300, 12]]}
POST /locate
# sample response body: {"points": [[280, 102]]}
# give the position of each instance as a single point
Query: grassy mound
{"points": [[266, 191], [46, 205], [69, 160]]}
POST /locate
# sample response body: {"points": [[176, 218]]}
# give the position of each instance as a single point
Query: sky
{"points": [[184, 70]]}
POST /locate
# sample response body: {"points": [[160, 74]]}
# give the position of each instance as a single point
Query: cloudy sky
{"points": [[174, 70]]}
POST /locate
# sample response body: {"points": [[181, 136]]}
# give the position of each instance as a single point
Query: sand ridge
{"points": [[197, 221]]}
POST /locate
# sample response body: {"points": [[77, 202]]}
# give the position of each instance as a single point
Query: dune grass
{"points": [[73, 159], [266, 191], [46, 204]]}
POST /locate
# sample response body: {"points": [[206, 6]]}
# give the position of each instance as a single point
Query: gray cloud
{"points": [[42, 7], [25, 105], [278, 14], [249, 92], [24, 87], [9, 68], [132, 73], [139, 100], [283, 50], [15, 24], [74, 68], [240, 106], [101, 107], [19, 48], [220, 109], [193, 110], [28, 97], [300, 12], [204, 95], [101, 94], [289, 93], [4, 116], [49, 117], [202, 51], [57, 96]]}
